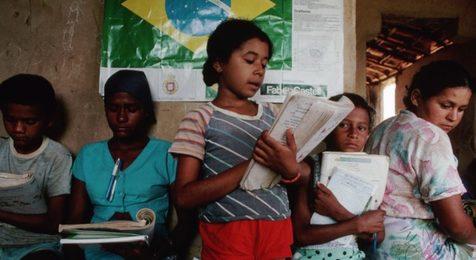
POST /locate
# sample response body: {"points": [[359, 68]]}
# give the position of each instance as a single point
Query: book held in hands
{"points": [[370, 167], [358, 182], [311, 119], [115, 231], [20, 193]]}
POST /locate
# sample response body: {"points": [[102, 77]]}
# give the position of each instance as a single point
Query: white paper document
{"points": [[311, 119], [354, 194], [371, 167], [358, 182]]}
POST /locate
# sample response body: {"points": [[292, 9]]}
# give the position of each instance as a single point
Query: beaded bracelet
{"points": [[291, 181]]}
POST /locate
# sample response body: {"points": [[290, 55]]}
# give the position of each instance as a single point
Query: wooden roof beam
{"points": [[426, 33], [449, 29], [376, 64], [379, 62], [375, 71], [399, 44], [397, 54]]}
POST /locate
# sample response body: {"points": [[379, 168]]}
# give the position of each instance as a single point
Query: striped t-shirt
{"points": [[223, 139]]}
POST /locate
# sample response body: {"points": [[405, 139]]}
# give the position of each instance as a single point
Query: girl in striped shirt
{"points": [[214, 145]]}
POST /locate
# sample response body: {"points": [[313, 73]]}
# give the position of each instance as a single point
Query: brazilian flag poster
{"points": [[167, 40]]}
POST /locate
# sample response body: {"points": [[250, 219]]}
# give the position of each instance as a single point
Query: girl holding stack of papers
{"points": [[332, 241]]}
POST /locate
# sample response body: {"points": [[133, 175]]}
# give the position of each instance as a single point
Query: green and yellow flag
{"points": [[174, 33], [167, 40]]}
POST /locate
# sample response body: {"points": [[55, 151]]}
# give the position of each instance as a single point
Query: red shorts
{"points": [[247, 239]]}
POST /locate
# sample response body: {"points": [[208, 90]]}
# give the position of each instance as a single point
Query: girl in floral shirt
{"points": [[425, 217]]}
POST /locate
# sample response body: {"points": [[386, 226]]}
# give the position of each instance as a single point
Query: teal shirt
{"points": [[143, 184]]}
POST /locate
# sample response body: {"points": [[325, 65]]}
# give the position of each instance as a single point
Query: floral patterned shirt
{"points": [[422, 169], [422, 165]]}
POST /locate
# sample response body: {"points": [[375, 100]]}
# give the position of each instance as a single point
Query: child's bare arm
{"points": [[184, 232], [80, 204], [41, 223], [304, 232], [308, 234], [325, 203], [78, 212], [190, 191]]}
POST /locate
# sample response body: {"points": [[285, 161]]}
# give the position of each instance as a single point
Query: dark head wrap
{"points": [[134, 83]]}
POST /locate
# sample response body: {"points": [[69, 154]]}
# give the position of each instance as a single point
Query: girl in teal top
{"points": [[145, 175], [143, 184]]}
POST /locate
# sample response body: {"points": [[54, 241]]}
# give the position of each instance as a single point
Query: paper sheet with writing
{"points": [[20, 193], [311, 119], [11, 180], [353, 193], [371, 167]]}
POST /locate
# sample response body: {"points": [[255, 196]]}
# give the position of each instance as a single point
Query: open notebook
{"points": [[20, 193], [311, 119], [116, 231]]}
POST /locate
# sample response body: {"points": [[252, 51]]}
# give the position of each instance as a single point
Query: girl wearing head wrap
{"points": [[146, 171]]}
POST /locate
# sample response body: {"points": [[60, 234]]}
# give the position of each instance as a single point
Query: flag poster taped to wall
{"points": [[167, 40]]}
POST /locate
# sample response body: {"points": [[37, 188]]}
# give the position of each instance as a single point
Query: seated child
{"points": [[146, 172], [349, 136], [28, 227]]}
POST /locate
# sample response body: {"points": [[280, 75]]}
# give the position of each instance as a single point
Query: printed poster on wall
{"points": [[167, 40]]}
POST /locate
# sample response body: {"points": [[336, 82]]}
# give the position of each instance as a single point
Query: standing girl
{"points": [[425, 217], [215, 143], [349, 136]]}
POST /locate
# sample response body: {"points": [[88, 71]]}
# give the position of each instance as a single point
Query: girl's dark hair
{"points": [[434, 78], [29, 90], [359, 102], [227, 37]]}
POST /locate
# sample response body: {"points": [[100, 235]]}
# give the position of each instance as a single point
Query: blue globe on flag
{"points": [[190, 22], [197, 17]]}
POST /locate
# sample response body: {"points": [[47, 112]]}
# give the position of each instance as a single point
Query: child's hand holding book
{"points": [[280, 158], [326, 204], [371, 222]]}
